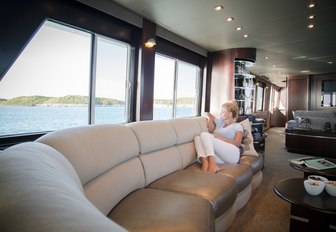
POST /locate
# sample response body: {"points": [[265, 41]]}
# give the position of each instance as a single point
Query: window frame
{"points": [[198, 98], [170, 49], [130, 37]]}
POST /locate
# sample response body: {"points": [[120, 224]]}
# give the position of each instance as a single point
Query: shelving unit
{"points": [[244, 86]]}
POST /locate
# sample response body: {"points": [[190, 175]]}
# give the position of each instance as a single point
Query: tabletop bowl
{"points": [[330, 187], [317, 178], [314, 187]]}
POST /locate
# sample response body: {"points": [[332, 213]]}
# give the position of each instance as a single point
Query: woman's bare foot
{"points": [[204, 164], [212, 165]]}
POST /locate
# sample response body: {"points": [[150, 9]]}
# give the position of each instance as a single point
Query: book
{"points": [[300, 161], [319, 164]]}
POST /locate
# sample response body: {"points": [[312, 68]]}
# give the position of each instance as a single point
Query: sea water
{"points": [[30, 119]]}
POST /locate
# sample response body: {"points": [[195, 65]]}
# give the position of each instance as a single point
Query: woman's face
{"points": [[225, 114]]}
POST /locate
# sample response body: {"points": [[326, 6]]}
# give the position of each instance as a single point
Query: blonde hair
{"points": [[232, 107]]}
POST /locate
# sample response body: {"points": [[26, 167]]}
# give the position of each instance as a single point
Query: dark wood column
{"points": [[147, 72]]}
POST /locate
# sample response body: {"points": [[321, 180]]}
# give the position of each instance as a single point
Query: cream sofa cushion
{"points": [[160, 163], [101, 154], [248, 148], [153, 135], [108, 189], [93, 150], [186, 129], [40, 191]]}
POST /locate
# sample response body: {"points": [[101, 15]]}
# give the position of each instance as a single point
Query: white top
{"points": [[228, 131]]}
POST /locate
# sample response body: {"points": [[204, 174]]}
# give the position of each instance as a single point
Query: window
{"points": [[259, 98], [111, 81], [175, 88], [186, 97], [275, 99], [49, 88], [328, 93]]}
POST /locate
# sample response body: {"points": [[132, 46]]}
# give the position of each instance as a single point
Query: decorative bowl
{"points": [[317, 178], [314, 187], [330, 187]]}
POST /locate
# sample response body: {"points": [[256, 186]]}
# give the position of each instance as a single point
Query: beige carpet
{"points": [[266, 212]]}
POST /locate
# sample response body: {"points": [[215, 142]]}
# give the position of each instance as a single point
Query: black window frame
{"points": [[29, 16]]}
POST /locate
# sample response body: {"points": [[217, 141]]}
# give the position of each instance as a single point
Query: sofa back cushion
{"points": [[317, 118], [41, 191], [153, 135], [158, 152], [186, 129], [101, 154]]}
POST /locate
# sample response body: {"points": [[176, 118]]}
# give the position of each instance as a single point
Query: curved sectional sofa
{"points": [[140, 176]]}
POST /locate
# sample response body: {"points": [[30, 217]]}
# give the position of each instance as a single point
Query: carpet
{"points": [[265, 211]]}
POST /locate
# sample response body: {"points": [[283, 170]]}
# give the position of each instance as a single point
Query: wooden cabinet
{"points": [[311, 142]]}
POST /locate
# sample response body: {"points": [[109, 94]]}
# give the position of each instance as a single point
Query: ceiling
{"points": [[277, 29]]}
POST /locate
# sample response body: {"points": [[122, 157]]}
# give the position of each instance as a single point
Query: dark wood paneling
{"points": [[171, 49], [221, 66], [147, 72], [298, 88]]}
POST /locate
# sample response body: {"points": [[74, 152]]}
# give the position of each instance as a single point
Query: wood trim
{"points": [[147, 72]]}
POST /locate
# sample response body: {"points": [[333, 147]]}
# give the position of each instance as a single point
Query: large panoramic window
{"points": [[49, 86], [175, 88]]}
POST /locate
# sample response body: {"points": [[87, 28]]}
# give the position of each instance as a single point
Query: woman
{"points": [[221, 145]]}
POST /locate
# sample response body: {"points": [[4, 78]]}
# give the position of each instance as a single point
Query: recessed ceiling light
{"points": [[311, 26], [266, 57], [229, 19], [299, 57], [330, 62], [239, 28], [311, 16], [219, 7], [305, 71], [246, 35], [311, 5]]}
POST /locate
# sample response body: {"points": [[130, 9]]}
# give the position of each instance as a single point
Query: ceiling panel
{"points": [[277, 29]]}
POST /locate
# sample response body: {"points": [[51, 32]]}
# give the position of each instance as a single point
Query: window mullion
{"points": [[198, 86], [92, 89], [175, 89]]}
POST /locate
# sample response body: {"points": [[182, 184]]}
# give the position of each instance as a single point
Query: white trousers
{"points": [[206, 145]]}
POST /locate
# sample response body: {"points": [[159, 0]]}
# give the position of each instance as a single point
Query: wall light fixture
{"points": [[150, 42]]}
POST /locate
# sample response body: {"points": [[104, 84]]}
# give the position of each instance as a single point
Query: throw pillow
{"points": [[248, 148]]}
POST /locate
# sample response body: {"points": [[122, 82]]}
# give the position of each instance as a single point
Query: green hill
{"points": [[25, 101], [55, 101], [78, 100], [179, 101]]}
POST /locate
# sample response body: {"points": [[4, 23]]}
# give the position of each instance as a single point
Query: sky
{"points": [[56, 62]]}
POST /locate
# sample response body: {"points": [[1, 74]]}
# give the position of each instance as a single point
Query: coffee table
{"points": [[330, 174], [308, 213]]}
